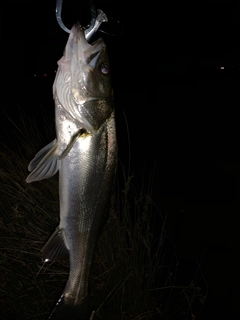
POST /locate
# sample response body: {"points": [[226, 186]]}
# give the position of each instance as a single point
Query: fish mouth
{"points": [[71, 85], [79, 57], [83, 60], [79, 51]]}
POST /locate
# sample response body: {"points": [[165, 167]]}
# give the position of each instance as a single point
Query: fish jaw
{"points": [[82, 77], [83, 100]]}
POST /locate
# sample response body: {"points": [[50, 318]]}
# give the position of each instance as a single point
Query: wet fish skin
{"points": [[85, 153]]}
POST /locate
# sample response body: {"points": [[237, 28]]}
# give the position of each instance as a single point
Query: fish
{"points": [[85, 155]]}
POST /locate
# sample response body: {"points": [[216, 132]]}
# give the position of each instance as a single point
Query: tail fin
{"points": [[68, 310]]}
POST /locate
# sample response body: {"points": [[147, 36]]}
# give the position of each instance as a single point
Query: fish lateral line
{"points": [[86, 140]]}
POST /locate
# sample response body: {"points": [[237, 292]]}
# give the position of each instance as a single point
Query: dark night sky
{"points": [[182, 110]]}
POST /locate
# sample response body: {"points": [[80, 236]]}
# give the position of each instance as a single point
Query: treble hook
{"points": [[91, 28]]}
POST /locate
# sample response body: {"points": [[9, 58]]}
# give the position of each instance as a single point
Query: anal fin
{"points": [[55, 248]]}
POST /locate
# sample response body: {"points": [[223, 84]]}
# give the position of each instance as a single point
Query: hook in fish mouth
{"points": [[95, 24], [90, 29]]}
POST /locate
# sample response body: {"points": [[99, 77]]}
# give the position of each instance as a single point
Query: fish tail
{"points": [[66, 309]]}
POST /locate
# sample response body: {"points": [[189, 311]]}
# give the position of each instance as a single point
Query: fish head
{"points": [[83, 74]]}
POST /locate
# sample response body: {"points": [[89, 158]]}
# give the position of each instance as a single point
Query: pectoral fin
{"points": [[75, 136], [45, 163]]}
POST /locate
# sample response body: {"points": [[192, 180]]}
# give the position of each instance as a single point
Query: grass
{"points": [[134, 271]]}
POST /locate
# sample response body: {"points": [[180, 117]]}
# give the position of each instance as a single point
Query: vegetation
{"points": [[134, 270]]}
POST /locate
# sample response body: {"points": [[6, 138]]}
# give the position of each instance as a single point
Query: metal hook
{"points": [[58, 15], [94, 24]]}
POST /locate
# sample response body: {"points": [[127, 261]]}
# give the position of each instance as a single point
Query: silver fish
{"points": [[85, 153]]}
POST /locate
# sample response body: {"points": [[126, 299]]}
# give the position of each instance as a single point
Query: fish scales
{"points": [[85, 154]]}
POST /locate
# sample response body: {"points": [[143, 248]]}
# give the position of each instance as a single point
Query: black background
{"points": [[181, 110]]}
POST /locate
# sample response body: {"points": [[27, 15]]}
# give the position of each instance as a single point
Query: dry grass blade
{"points": [[133, 275]]}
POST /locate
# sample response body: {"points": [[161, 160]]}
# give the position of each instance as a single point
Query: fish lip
{"points": [[78, 51], [84, 49], [70, 88]]}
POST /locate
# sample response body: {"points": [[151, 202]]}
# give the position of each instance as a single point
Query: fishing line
{"points": [[115, 34], [93, 10]]}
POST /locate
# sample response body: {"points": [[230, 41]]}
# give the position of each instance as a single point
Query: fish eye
{"points": [[104, 69]]}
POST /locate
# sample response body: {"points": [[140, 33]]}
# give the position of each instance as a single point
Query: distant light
{"points": [[44, 75], [222, 68], [34, 75]]}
